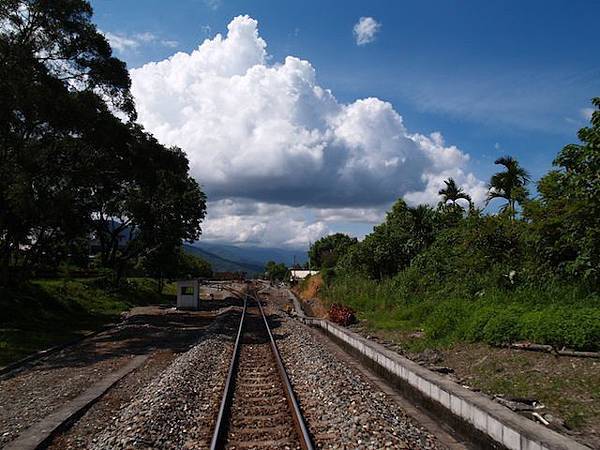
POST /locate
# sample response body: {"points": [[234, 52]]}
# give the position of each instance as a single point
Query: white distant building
{"points": [[301, 274]]}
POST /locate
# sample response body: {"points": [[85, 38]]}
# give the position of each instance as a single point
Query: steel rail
{"points": [[301, 428], [220, 432], [221, 426]]}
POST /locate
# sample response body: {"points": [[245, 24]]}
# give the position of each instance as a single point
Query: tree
{"points": [[275, 271], [393, 244], [452, 193], [510, 185], [59, 40], [326, 251], [160, 205], [565, 219], [57, 80], [69, 168], [170, 263]]}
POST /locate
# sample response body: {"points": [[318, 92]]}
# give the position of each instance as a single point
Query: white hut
{"points": [[188, 294]]}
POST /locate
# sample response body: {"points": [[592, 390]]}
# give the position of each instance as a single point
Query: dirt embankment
{"points": [[308, 293]]}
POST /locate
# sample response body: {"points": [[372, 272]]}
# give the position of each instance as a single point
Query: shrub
{"points": [[503, 327], [342, 315]]}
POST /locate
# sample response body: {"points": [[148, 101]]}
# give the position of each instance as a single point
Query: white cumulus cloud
{"points": [[268, 133], [243, 221], [365, 30]]}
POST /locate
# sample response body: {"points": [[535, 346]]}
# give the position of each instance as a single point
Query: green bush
{"points": [[446, 320], [503, 327]]}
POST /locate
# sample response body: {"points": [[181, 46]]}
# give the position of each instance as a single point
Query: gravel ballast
{"points": [[342, 409], [177, 409]]}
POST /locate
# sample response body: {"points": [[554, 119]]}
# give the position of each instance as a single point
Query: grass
{"points": [[43, 313], [555, 315]]}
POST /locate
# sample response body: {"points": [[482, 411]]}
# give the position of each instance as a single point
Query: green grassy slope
{"points": [[44, 313]]}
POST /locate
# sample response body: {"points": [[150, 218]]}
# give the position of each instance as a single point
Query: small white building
{"points": [[301, 274], [188, 294]]}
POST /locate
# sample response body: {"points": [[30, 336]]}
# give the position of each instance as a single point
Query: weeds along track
{"points": [[258, 408]]}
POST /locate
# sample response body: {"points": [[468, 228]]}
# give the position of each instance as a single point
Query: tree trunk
{"points": [[119, 272], [161, 283], [5, 262]]}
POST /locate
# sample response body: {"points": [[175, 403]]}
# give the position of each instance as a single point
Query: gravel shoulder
{"points": [[86, 430]]}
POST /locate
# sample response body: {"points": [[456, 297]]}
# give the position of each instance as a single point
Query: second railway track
{"points": [[259, 408]]}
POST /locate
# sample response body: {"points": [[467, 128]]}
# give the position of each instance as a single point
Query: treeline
{"points": [[530, 271], [77, 174]]}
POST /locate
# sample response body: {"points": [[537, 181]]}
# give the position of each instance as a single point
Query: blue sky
{"points": [[497, 77]]}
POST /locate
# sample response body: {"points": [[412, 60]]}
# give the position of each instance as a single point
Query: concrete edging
{"points": [[493, 424]]}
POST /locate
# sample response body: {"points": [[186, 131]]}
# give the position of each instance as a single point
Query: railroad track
{"points": [[258, 408]]}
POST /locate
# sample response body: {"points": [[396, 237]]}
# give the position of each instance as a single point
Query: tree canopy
{"points": [[510, 185], [326, 251], [565, 218], [453, 192], [74, 166]]}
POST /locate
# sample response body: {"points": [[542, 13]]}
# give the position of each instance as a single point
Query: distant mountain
{"points": [[254, 254], [247, 256], [220, 264]]}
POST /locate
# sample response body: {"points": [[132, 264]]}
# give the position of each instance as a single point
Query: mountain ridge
{"points": [[220, 264]]}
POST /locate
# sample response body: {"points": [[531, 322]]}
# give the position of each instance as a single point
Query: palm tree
{"points": [[453, 192], [510, 185]]}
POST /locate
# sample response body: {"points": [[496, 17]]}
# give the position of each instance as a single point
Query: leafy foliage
{"points": [[510, 185], [327, 251], [392, 245], [69, 167], [276, 271], [453, 192], [565, 219]]}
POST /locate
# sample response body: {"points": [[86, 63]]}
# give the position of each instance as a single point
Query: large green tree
{"points": [[393, 244], [566, 216], [326, 251], [275, 271], [157, 205], [68, 165], [57, 80]]}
